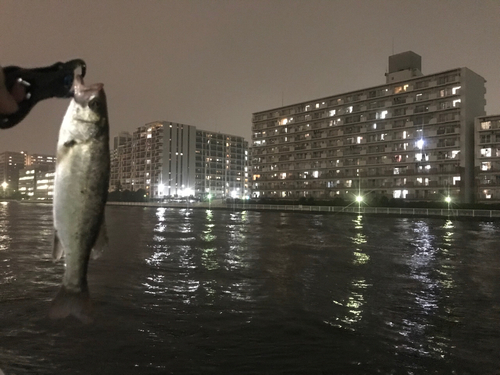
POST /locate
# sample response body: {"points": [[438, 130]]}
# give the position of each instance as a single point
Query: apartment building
{"points": [[487, 158], [166, 159], [411, 138], [10, 165], [120, 161], [221, 165], [34, 160], [37, 182]]}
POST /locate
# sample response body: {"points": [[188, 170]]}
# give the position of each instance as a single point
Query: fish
{"points": [[80, 192]]}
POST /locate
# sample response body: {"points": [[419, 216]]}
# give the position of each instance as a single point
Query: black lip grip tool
{"points": [[54, 81]]}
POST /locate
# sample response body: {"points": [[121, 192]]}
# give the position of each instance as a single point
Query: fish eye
{"points": [[94, 105]]}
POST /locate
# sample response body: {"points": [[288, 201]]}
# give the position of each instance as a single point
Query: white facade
{"points": [[169, 159]]}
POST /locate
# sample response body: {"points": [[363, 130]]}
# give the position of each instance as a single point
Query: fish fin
{"points": [[58, 250], [101, 243], [68, 303]]}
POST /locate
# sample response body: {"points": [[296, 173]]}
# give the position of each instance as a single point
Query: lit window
{"points": [[382, 115], [485, 166], [486, 125], [486, 152]]}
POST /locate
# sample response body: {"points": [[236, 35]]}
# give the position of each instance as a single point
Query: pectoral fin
{"points": [[58, 250], [101, 244]]}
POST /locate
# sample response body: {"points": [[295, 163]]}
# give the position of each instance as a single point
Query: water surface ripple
{"points": [[184, 291]]}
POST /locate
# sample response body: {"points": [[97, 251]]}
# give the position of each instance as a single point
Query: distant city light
{"points": [[187, 192], [359, 199], [448, 199]]}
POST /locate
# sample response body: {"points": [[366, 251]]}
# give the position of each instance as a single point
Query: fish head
{"points": [[90, 101]]}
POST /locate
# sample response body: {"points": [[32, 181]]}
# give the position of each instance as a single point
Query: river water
{"points": [[192, 291]]}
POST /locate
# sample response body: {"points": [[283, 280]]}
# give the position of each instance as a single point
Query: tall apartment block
{"points": [[221, 165], [120, 160], [487, 158], [411, 138], [172, 159]]}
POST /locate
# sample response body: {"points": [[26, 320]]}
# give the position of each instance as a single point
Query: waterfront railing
{"points": [[354, 209]]}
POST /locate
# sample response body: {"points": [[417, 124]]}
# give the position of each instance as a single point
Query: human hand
{"points": [[9, 100]]}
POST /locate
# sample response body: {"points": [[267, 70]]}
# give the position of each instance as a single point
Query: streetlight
{"points": [[359, 199], [448, 201]]}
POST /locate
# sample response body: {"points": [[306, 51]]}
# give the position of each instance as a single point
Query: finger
{"points": [[8, 104]]}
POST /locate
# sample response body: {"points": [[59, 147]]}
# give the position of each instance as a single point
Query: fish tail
{"points": [[76, 303]]}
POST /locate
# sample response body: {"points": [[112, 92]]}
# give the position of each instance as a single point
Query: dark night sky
{"points": [[213, 63]]}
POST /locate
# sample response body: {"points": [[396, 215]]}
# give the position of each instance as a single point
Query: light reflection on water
{"points": [[6, 272], [210, 291], [353, 303]]}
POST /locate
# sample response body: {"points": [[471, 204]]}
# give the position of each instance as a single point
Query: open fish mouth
{"points": [[84, 94]]}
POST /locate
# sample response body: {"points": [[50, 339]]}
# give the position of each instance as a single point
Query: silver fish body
{"points": [[80, 192]]}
